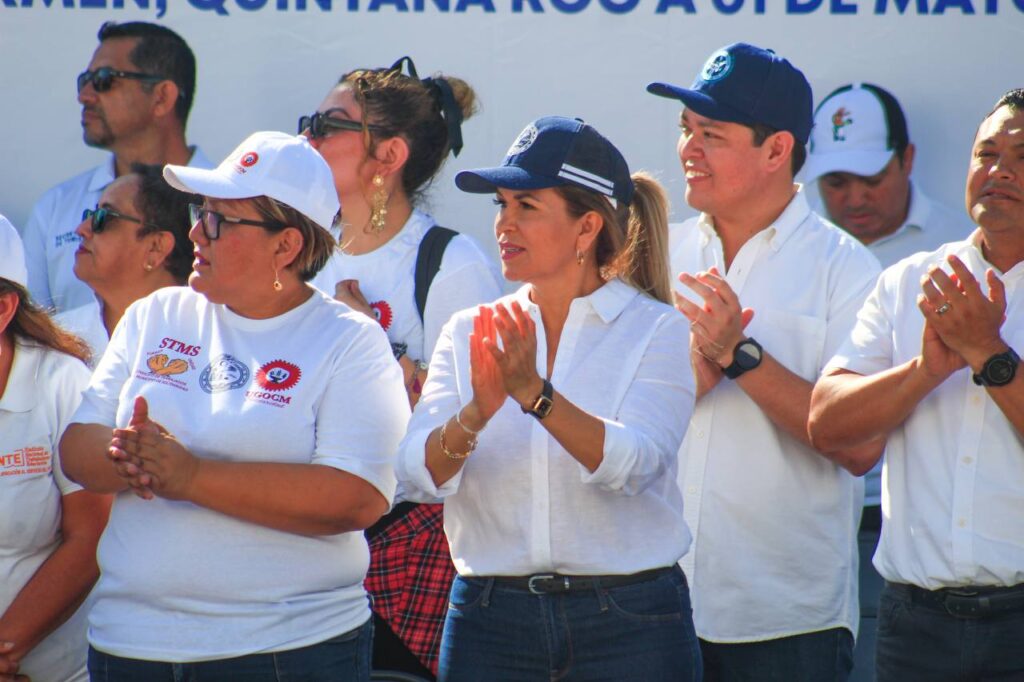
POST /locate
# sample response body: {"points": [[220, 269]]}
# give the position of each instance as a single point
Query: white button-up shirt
{"points": [[521, 504], [928, 226], [953, 479], [51, 242], [774, 523]]}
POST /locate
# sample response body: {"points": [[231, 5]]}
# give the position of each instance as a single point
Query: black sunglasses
{"points": [[100, 216], [211, 221], [319, 124], [103, 77]]}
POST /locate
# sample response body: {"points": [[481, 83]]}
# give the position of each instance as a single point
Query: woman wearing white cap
{"points": [[254, 420], [48, 525], [386, 134], [550, 426]]}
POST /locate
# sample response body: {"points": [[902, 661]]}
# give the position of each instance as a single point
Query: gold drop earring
{"points": [[277, 282], [379, 214]]}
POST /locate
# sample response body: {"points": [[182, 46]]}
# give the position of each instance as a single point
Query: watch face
{"points": [[542, 407], [1000, 371], [748, 355]]}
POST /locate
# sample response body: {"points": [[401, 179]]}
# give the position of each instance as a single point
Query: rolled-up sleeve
{"points": [[641, 442]]}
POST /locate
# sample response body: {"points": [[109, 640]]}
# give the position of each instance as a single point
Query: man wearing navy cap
{"points": [[770, 289]]}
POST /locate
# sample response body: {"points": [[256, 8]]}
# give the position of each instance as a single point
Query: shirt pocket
{"points": [[797, 341]]}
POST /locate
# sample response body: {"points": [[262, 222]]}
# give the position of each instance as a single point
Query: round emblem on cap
{"points": [[717, 67], [524, 141], [249, 159]]}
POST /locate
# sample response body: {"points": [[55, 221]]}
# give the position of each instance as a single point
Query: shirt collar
{"points": [[795, 213], [20, 396], [920, 210], [104, 174], [607, 302]]}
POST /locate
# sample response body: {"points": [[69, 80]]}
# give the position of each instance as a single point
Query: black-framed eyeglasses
{"points": [[320, 124], [101, 216], [103, 77], [212, 220]]}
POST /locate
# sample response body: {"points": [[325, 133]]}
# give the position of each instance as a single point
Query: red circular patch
{"points": [[249, 159], [383, 312], [278, 375]]}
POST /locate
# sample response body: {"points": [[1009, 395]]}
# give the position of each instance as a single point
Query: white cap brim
{"points": [[858, 163], [209, 183]]}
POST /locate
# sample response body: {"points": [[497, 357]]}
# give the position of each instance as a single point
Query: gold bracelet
{"points": [[471, 432], [455, 455]]}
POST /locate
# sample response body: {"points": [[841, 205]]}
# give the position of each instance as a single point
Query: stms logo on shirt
{"points": [[224, 373], [274, 377]]}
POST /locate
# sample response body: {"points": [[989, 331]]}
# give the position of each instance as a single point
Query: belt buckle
{"points": [[532, 587]]}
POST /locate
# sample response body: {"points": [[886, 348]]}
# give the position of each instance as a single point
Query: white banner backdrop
{"points": [[263, 63]]}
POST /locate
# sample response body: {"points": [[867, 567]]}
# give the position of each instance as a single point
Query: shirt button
{"points": [[692, 490], [962, 523], [968, 460], [976, 400], [700, 434]]}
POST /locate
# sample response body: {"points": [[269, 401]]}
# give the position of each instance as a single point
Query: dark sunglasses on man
{"points": [[211, 221], [320, 124], [103, 77]]}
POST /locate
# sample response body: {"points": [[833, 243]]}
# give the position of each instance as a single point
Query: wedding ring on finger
{"points": [[943, 309]]}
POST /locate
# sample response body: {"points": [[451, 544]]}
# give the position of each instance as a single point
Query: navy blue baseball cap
{"points": [[554, 151], [742, 83]]}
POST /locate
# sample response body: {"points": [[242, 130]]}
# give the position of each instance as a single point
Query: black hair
{"points": [[762, 132], [161, 52], [165, 208], [1014, 99]]}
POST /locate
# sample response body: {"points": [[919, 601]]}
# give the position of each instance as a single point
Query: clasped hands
{"points": [[499, 373], [715, 327], [149, 459], [962, 324]]}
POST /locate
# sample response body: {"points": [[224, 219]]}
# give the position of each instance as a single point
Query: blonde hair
{"points": [[633, 245]]}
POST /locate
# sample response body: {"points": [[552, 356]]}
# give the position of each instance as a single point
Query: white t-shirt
{"points": [[318, 385], [387, 278], [87, 322], [521, 504], [50, 239], [42, 392], [774, 523], [952, 502]]}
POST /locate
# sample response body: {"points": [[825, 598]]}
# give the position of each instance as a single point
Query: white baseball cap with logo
{"points": [[278, 165], [12, 255], [856, 130]]}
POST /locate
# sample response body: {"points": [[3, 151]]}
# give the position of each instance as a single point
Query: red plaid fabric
{"points": [[410, 577]]}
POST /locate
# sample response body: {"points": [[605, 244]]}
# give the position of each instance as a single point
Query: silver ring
{"points": [[943, 309]]}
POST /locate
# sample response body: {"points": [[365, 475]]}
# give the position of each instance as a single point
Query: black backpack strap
{"points": [[428, 262]]}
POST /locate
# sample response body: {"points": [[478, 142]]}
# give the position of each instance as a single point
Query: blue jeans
{"points": [[824, 656], [641, 632], [345, 658], [918, 643]]}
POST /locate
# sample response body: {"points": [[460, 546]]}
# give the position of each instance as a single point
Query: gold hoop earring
{"points": [[277, 282], [579, 257], [379, 214]]}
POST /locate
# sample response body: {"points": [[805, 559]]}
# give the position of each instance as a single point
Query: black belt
{"points": [[555, 583], [964, 602]]}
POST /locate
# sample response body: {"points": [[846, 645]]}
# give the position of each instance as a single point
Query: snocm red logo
{"points": [[273, 378]]}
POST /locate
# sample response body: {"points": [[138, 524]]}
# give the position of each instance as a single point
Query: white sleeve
{"points": [[101, 399], [466, 279], [364, 411], [641, 443], [849, 286], [439, 401], [69, 383], [34, 237], [868, 348]]}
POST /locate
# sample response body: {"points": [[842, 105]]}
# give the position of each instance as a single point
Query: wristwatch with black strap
{"points": [[999, 369], [540, 406], [747, 355]]}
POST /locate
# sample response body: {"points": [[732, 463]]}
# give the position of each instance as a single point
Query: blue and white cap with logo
{"points": [[554, 151], [743, 83]]}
